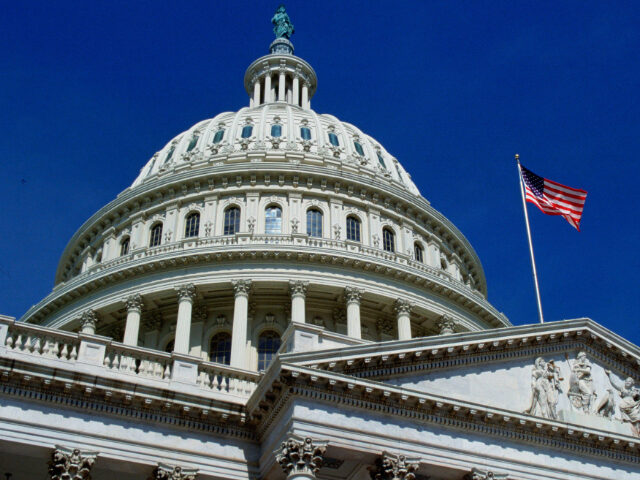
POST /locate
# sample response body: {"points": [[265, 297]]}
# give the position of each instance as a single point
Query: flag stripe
{"points": [[553, 198]]}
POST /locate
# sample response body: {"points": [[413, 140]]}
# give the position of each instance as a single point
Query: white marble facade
{"points": [[273, 298]]}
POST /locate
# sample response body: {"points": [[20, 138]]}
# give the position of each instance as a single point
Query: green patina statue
{"points": [[283, 28]]}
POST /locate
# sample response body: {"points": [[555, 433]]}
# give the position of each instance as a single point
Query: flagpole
{"points": [[533, 260]]}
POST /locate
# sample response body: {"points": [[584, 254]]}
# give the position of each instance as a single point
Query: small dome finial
{"points": [[282, 29]]}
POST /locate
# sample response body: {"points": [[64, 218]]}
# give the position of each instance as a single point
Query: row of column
{"points": [[294, 94], [298, 289]]}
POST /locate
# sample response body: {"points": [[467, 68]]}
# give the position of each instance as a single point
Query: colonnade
{"points": [[299, 458], [186, 295], [288, 90]]}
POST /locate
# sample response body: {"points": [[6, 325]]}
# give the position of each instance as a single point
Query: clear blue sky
{"points": [[90, 90]]}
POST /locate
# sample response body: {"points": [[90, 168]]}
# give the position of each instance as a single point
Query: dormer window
{"points": [[381, 160], [333, 139], [193, 143], [358, 148], [247, 130], [305, 133], [276, 130], [217, 138], [170, 154]]}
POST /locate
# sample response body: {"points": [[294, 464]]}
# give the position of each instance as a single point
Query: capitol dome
{"points": [[252, 220]]}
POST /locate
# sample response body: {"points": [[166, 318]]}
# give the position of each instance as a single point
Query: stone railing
{"points": [[102, 357]]}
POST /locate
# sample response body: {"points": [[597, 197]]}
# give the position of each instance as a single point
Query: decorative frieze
{"points": [[133, 303], [545, 388], [581, 390], [186, 292], [71, 464], [173, 472], [394, 467], [301, 457], [630, 401]]}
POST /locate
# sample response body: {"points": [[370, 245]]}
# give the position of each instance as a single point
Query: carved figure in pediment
{"points": [[545, 389], [581, 391], [630, 403]]}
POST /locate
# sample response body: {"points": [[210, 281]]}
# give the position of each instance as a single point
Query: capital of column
{"points": [[133, 303], [446, 325], [173, 472], [353, 294], [88, 321], [298, 288], [71, 463], [394, 467], [186, 292], [402, 307], [301, 457], [477, 474], [241, 287]]}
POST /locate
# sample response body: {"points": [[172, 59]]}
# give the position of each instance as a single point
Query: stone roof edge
{"points": [[461, 342], [440, 409]]}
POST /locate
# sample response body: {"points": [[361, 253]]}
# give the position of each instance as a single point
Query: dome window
{"points": [[381, 160], [192, 225], [388, 240], [273, 220], [124, 246], [333, 139], [314, 222], [353, 229], [358, 148], [193, 143], [220, 348], [268, 346], [276, 130], [170, 154], [305, 133], [247, 130], [217, 138], [156, 235], [231, 221], [418, 253]]}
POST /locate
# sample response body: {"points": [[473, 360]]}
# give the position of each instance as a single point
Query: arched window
{"points": [[388, 240], [358, 148], [268, 345], [231, 221], [276, 130], [220, 348], [418, 253], [333, 139], [156, 235], [247, 130], [353, 228], [314, 222], [273, 219], [381, 160], [217, 138], [305, 133], [124, 246], [192, 225], [170, 154], [193, 143]]}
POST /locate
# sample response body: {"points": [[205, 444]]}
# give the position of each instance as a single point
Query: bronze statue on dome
{"points": [[283, 28]]}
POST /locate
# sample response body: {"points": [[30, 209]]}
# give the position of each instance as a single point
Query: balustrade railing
{"points": [[220, 378], [137, 361], [34, 340]]}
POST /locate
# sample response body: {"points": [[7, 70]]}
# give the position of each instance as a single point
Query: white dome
{"points": [[199, 145]]}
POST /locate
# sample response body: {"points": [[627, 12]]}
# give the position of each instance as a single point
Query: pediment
{"points": [[571, 371]]}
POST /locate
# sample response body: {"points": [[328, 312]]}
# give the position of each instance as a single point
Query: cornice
{"points": [[203, 178], [336, 389]]}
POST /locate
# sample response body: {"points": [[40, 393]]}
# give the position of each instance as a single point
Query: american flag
{"points": [[554, 198]]}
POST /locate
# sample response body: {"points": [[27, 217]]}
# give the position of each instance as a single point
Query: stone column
{"points": [[403, 311], [446, 325], [256, 93], [301, 459], [71, 464], [353, 296], [133, 304], [281, 85], [298, 289], [88, 322], [305, 95], [241, 289], [173, 472], [296, 90], [267, 88], [186, 294], [394, 467]]}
